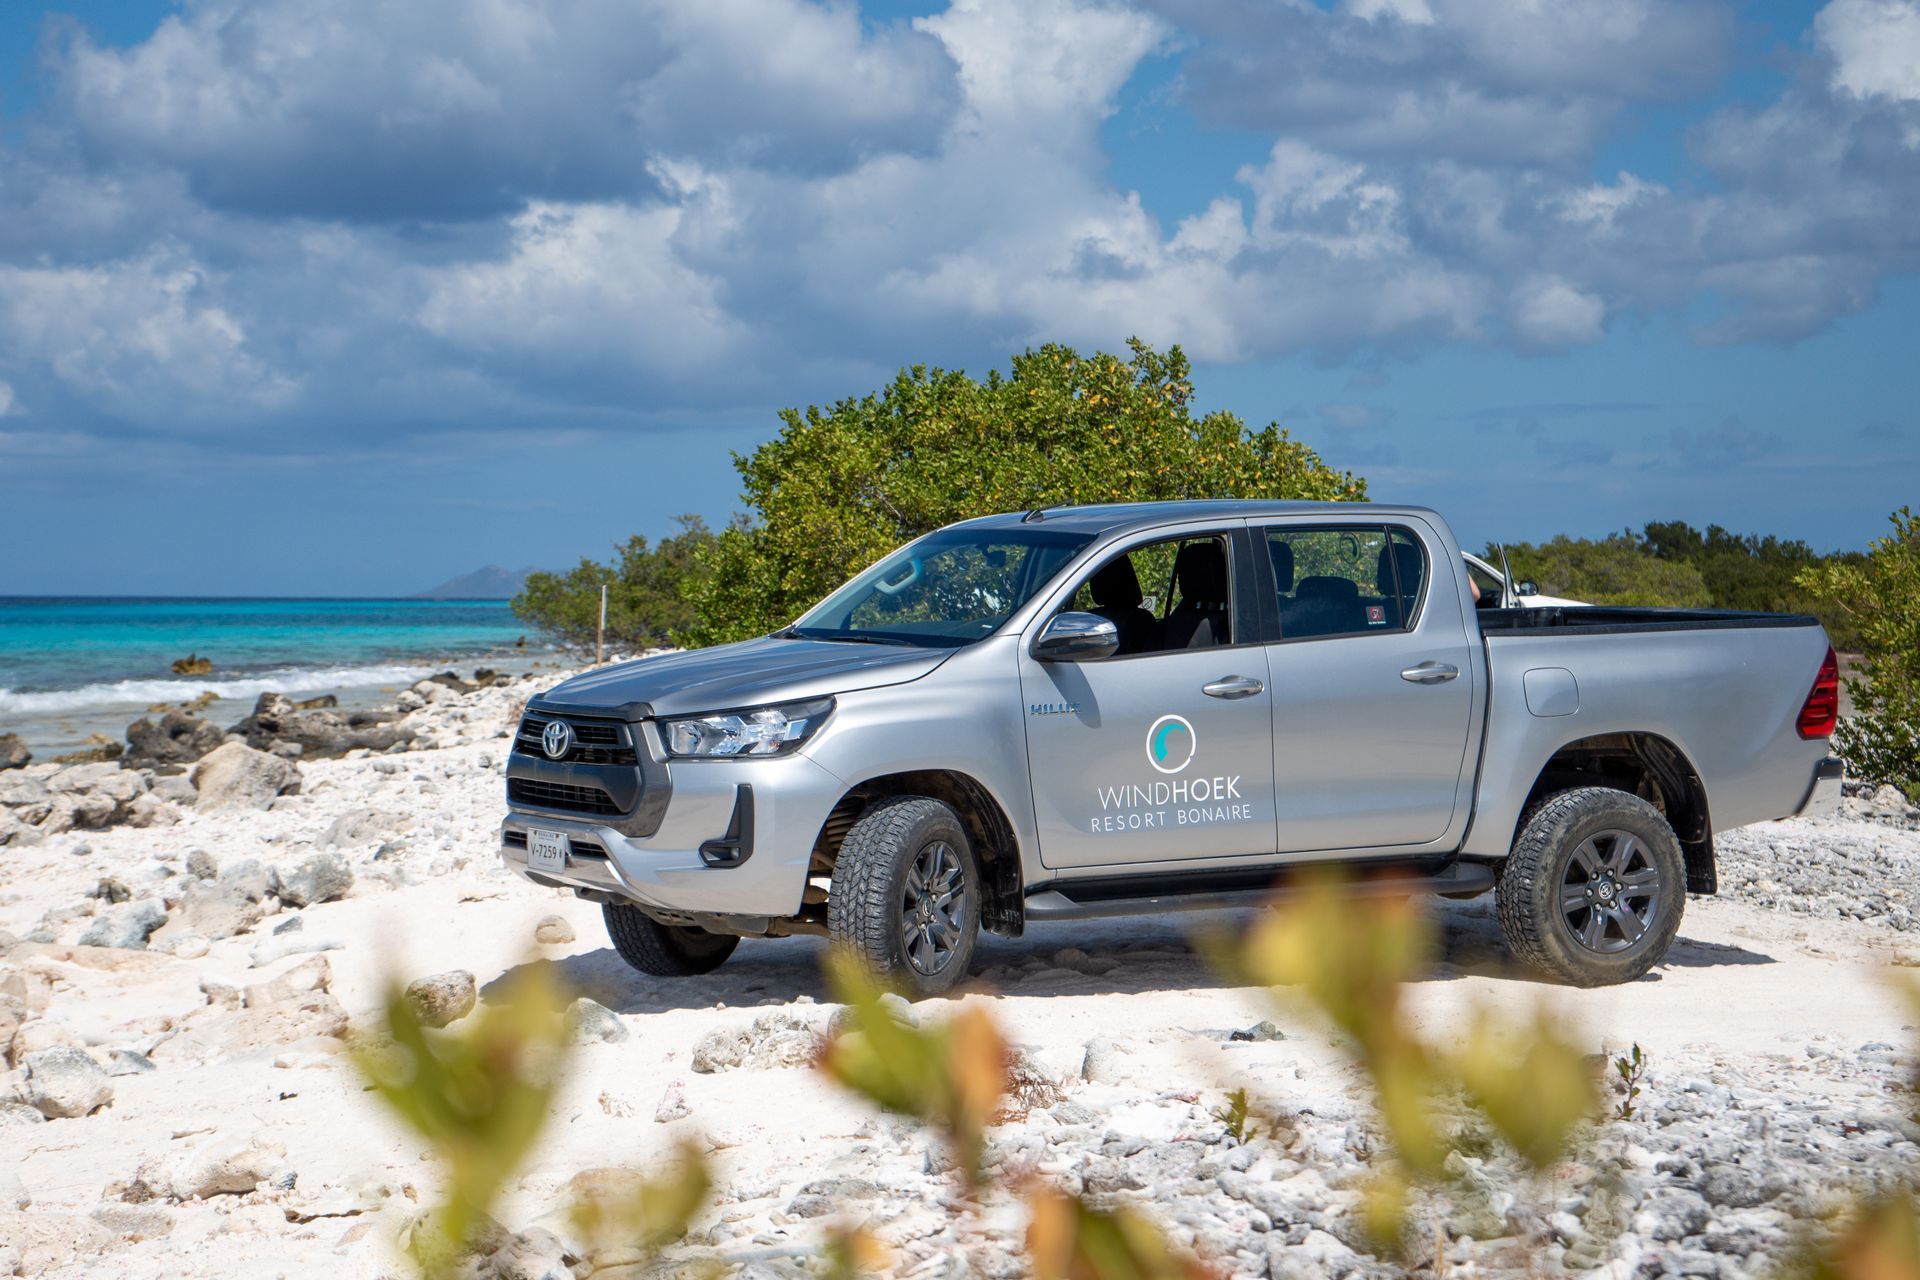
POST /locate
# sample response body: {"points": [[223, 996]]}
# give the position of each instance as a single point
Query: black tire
{"points": [[1594, 889], [664, 950], [875, 895]]}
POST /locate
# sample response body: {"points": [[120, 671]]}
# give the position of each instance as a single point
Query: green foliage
{"points": [[1237, 1116], [953, 1076], [1672, 563], [1880, 594], [1069, 1239], [842, 486], [1631, 1068], [478, 1096], [1612, 570], [647, 589], [1350, 957]]}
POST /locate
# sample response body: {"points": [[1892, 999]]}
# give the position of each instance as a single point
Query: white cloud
{"points": [[6, 400], [1550, 313], [458, 108], [1875, 45], [142, 339], [588, 284]]}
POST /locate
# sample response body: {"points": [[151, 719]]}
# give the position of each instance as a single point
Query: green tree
{"points": [[1881, 594], [1748, 571], [1612, 570], [646, 585], [840, 487]]}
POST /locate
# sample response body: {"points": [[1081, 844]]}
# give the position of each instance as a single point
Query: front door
{"points": [[1372, 683], [1162, 752]]}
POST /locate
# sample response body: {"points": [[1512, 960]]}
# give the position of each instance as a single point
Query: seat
{"points": [[1324, 606], [1115, 589], [1405, 589], [1200, 620]]}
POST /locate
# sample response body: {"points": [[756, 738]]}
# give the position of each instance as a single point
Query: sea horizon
{"points": [[77, 667]]}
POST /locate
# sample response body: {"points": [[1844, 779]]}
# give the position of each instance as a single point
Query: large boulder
{"points": [[319, 877], [125, 927], [178, 739], [280, 722], [13, 752], [64, 1082], [234, 775]]}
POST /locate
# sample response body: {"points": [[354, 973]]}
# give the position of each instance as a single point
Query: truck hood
{"points": [[734, 676]]}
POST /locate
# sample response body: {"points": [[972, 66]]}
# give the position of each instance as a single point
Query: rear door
{"points": [[1372, 681], [1162, 752]]}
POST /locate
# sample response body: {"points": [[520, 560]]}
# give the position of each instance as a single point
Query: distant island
{"points": [[490, 583]]}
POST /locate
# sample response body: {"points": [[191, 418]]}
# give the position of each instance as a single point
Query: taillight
{"points": [[1821, 710]]}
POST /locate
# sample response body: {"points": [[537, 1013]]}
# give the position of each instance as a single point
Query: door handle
{"points": [[1233, 687], [1430, 673]]}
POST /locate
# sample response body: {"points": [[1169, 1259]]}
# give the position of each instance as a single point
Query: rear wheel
{"points": [[1594, 889], [664, 950], [906, 894]]}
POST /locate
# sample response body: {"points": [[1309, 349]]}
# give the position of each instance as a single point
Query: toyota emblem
{"points": [[557, 740]]}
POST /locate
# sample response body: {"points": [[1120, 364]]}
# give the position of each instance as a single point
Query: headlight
{"points": [[763, 731]]}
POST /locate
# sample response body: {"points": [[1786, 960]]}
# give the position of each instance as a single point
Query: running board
{"points": [[1462, 879]]}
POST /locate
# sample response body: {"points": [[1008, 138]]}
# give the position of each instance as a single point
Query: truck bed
{"points": [[1599, 620]]}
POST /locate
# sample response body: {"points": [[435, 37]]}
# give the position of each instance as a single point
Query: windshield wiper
{"points": [[854, 637]]}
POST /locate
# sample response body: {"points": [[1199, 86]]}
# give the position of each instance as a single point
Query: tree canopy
{"points": [[646, 585], [839, 487]]}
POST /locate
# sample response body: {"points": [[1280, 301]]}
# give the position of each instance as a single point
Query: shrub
{"points": [[842, 486], [1612, 570], [646, 585], [1880, 594]]}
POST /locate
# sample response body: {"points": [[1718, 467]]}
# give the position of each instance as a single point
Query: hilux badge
{"points": [[557, 740]]}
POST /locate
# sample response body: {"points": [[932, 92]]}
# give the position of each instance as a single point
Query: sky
{"points": [[348, 297]]}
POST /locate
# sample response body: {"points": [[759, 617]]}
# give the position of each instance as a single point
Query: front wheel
{"points": [[1594, 889], [664, 950], [906, 894]]}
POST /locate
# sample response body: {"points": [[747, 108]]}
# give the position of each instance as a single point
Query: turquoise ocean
{"points": [[70, 667]]}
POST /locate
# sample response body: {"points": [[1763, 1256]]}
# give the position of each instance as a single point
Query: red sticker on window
{"points": [[1376, 615]]}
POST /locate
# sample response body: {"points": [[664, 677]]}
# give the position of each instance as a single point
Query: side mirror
{"points": [[1525, 588], [1077, 637]]}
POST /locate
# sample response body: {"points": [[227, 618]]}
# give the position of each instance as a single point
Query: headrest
{"points": [[1201, 572], [1411, 565], [1116, 585], [1282, 556], [1327, 589]]}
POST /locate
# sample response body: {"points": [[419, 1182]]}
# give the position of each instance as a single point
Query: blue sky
{"points": [[341, 296]]}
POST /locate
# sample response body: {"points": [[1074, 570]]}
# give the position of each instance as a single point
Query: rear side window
{"points": [[1345, 580]]}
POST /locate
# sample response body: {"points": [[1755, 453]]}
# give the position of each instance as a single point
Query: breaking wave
{"points": [[144, 693]]}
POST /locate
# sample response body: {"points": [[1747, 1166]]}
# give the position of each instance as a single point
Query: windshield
{"points": [[948, 589]]}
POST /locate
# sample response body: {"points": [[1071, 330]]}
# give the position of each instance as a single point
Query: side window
{"points": [[1163, 596], [1345, 580]]}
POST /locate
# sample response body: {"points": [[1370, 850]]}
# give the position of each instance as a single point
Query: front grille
{"points": [[578, 846], [561, 795], [594, 742]]}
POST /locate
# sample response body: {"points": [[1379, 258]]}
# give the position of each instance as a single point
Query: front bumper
{"points": [[761, 816], [1823, 797]]}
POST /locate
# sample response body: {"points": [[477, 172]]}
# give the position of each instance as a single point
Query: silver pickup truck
{"points": [[1093, 711]]}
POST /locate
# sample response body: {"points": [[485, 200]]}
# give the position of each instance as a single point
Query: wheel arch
{"points": [[1643, 764], [989, 830]]}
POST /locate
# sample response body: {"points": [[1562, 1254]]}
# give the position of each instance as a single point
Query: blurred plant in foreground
{"points": [[955, 1076], [478, 1095], [1349, 956]]}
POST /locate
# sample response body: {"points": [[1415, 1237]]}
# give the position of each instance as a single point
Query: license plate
{"points": [[547, 850]]}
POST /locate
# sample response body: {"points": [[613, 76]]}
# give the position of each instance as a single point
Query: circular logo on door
{"points": [[1171, 743]]}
